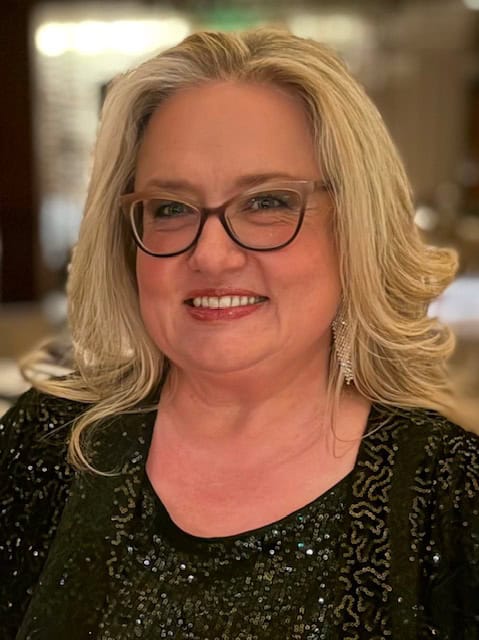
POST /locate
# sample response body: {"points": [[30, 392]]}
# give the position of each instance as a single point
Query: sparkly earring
{"points": [[342, 345]]}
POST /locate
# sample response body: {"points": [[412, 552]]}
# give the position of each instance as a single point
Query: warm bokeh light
{"points": [[92, 37], [336, 29], [52, 39], [426, 218]]}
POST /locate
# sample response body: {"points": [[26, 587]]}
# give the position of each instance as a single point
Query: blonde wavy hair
{"points": [[388, 275]]}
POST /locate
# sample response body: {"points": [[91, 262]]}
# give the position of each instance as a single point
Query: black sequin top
{"points": [[392, 551]]}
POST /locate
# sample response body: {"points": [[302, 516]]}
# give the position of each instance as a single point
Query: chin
{"points": [[218, 361]]}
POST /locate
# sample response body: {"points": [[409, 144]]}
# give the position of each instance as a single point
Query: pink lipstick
{"points": [[223, 303]]}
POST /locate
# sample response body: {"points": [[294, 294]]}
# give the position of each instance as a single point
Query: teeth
{"points": [[224, 302]]}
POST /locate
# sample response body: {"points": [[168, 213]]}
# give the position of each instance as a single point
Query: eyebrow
{"points": [[249, 180]]}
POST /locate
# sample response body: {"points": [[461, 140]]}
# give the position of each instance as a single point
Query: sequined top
{"points": [[392, 551]]}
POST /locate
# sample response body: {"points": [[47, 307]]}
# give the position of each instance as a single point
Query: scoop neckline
{"points": [[343, 483], [179, 533]]}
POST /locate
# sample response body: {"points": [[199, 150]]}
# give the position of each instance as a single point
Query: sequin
{"points": [[353, 564]]}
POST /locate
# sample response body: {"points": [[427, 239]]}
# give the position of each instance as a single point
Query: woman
{"points": [[255, 426]]}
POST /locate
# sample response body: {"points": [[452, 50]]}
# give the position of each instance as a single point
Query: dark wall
{"points": [[18, 210]]}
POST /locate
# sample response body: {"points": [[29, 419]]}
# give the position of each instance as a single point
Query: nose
{"points": [[215, 252]]}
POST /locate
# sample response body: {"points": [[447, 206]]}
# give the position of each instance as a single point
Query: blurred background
{"points": [[418, 59]]}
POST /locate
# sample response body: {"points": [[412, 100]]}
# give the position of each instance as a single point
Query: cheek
{"points": [[150, 279], [151, 274], [145, 283], [316, 279], [317, 262], [143, 272]]}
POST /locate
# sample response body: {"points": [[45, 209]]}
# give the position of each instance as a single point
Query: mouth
{"points": [[224, 302]]}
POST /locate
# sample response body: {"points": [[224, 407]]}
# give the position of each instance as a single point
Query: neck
{"points": [[246, 405], [256, 421]]}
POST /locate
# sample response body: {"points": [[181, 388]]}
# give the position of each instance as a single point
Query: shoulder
{"points": [[36, 423], [436, 489], [413, 500], [425, 432], [435, 475], [422, 457], [34, 436], [35, 479]]}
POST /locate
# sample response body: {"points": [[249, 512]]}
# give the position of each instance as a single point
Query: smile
{"points": [[224, 302]]}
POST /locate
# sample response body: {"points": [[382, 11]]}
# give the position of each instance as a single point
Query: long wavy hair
{"points": [[388, 275]]}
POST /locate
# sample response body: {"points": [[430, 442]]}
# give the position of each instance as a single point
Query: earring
{"points": [[342, 345]]}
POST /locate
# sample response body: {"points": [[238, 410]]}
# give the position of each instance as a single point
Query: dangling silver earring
{"points": [[342, 345]]}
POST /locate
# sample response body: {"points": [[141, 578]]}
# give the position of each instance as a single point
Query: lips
{"points": [[223, 303], [223, 298]]}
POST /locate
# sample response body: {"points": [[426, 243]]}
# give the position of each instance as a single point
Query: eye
{"points": [[274, 201], [267, 201], [163, 209]]}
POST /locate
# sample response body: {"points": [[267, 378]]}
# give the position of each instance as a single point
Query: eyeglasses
{"points": [[265, 218]]}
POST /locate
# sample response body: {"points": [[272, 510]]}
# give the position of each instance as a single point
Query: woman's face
{"points": [[208, 139]]}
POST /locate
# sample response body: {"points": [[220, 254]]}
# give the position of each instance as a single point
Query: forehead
{"points": [[215, 132]]}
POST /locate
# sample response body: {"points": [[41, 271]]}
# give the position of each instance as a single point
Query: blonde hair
{"points": [[389, 276]]}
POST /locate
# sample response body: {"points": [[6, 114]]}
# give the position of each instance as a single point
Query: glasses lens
{"points": [[163, 225], [265, 219]]}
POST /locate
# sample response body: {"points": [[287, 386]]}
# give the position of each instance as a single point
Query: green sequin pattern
{"points": [[392, 551]]}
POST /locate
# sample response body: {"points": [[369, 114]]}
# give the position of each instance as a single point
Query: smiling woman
{"points": [[271, 137], [256, 439]]}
